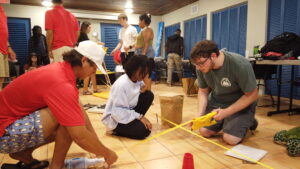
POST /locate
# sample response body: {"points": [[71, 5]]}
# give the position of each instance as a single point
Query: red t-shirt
{"points": [[64, 26], [52, 86], [3, 32]]}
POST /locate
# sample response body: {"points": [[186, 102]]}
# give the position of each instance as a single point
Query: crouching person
{"points": [[128, 101], [43, 106]]}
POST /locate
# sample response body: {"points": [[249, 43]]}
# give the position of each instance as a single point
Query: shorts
{"points": [[58, 53], [236, 124], [4, 68], [23, 134]]}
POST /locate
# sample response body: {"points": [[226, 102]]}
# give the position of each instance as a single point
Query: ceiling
{"points": [[154, 7]]}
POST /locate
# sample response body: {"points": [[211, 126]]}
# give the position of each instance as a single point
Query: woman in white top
{"points": [[128, 101]]}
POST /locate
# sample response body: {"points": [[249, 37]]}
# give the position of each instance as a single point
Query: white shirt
{"points": [[123, 98], [128, 36]]}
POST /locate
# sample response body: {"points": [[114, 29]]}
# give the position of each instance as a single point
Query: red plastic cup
{"points": [[188, 161]]}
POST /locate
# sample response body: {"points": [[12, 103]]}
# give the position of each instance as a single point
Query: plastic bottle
{"points": [[83, 163]]}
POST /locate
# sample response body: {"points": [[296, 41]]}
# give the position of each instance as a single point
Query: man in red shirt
{"points": [[62, 31], [5, 49], [32, 115]]}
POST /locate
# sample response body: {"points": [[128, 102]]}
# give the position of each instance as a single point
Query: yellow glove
{"points": [[204, 121]]}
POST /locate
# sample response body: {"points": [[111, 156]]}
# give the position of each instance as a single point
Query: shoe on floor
{"points": [[35, 164], [254, 126]]}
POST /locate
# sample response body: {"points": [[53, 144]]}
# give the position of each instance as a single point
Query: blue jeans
{"points": [[150, 52]]}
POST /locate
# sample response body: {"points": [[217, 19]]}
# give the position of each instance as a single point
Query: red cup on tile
{"points": [[188, 161]]}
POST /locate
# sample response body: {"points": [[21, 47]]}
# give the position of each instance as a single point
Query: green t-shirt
{"points": [[230, 82]]}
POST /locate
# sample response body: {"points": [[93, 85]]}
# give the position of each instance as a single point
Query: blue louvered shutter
{"points": [[19, 34], [229, 28], [110, 36], [169, 31], [138, 29], [194, 31], [284, 16]]}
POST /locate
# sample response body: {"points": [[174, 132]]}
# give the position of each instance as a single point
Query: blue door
{"points": [[110, 36], [19, 34], [169, 31], [229, 28], [194, 31]]}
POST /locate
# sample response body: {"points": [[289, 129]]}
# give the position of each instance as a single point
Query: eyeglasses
{"points": [[200, 64]]}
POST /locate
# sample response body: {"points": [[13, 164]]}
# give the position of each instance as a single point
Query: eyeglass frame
{"points": [[201, 64]]}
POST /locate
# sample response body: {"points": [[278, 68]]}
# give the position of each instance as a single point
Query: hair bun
{"points": [[148, 15]]}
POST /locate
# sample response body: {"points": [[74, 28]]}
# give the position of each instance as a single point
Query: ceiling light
{"points": [[47, 3], [128, 4], [129, 10]]}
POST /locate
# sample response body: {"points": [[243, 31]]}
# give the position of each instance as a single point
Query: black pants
{"points": [[125, 58], [136, 129]]}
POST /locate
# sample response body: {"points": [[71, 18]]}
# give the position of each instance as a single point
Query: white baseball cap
{"points": [[93, 51]]}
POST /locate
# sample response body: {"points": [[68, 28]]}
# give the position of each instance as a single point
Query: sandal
{"points": [[87, 93], [35, 164], [97, 91]]}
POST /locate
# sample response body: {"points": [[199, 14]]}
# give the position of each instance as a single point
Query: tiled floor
{"points": [[166, 151]]}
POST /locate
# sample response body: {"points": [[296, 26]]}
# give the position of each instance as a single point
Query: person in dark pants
{"points": [[38, 44], [128, 101]]}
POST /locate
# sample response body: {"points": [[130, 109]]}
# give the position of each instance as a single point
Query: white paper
{"points": [[253, 153]]}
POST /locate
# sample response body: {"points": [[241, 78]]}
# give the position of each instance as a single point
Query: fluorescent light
{"points": [[47, 3], [128, 4], [129, 10]]}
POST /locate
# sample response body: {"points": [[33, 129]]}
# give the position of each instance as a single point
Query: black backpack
{"points": [[283, 43]]}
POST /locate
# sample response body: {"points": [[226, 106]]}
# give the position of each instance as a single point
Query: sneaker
{"points": [[254, 126]]}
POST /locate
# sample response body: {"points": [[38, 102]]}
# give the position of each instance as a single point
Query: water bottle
{"points": [[84, 163]]}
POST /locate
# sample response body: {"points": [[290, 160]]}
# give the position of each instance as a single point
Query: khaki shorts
{"points": [[57, 53], [4, 68]]}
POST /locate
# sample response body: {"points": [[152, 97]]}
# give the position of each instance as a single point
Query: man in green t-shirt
{"points": [[227, 85]]}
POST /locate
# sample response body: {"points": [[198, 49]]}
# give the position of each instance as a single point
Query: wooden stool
{"points": [[171, 105]]}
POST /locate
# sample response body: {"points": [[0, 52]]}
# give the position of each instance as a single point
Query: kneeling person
{"points": [[227, 85], [43, 106], [128, 102]]}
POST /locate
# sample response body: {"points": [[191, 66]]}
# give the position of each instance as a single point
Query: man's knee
{"points": [[231, 140], [206, 132]]}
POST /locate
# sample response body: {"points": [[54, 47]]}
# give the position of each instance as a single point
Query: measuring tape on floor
{"points": [[156, 135], [193, 133], [217, 144]]}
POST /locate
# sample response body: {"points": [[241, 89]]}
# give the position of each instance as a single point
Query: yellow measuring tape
{"points": [[219, 145], [157, 135], [195, 134]]}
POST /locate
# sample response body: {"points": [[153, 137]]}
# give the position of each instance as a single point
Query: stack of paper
{"points": [[253, 153]]}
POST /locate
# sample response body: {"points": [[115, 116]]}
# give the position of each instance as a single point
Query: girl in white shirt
{"points": [[129, 101]]}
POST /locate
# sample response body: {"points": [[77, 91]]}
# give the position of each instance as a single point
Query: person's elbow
{"points": [[253, 94]]}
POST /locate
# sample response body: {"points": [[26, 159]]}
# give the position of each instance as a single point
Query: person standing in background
{"points": [[62, 31], [144, 43], [38, 44], [127, 36], [174, 48], [5, 48], [84, 31]]}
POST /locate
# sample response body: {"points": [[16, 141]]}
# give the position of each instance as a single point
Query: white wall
{"points": [[256, 22], [37, 16]]}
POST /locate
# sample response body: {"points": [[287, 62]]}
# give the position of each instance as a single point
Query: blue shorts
{"points": [[23, 134]]}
